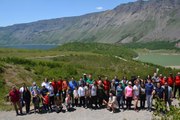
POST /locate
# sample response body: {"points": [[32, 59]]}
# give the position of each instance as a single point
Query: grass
{"points": [[73, 59]]}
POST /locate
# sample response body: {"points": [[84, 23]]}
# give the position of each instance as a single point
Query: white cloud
{"points": [[99, 8]]}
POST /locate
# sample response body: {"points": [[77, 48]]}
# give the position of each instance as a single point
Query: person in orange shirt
{"points": [[64, 89], [177, 84]]}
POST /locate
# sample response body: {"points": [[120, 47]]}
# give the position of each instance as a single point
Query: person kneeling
{"points": [[112, 104]]}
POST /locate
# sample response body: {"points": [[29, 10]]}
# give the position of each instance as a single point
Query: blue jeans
{"points": [[120, 101], [149, 101]]}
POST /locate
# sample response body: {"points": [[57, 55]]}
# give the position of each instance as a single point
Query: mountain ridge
{"points": [[141, 21]]}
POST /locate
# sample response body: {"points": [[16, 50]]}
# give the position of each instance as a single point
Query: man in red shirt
{"points": [[14, 96], [107, 85], [55, 86], [177, 84], [161, 79], [171, 80]]}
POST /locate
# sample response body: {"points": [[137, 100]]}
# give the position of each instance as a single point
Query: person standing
{"points": [[72, 85], [142, 96], [90, 80], [14, 96], [177, 85], [136, 91], [128, 95], [119, 95], [167, 95], [170, 80], [27, 99], [93, 92], [107, 85], [36, 98], [51, 95], [159, 91], [45, 83], [64, 89], [149, 94], [75, 94], [87, 95], [116, 81], [55, 86], [81, 94]]}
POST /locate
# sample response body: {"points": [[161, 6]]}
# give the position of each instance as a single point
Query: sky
{"points": [[24, 11]]}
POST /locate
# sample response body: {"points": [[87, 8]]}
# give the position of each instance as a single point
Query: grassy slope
{"points": [[73, 59]]}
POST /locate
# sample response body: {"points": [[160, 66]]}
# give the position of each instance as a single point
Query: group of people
{"points": [[115, 94]]}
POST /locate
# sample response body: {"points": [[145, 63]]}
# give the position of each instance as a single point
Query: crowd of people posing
{"points": [[115, 94]]}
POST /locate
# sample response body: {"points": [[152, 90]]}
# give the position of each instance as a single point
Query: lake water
{"points": [[35, 47]]}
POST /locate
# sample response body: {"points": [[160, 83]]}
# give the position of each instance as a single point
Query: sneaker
{"points": [[111, 112]]}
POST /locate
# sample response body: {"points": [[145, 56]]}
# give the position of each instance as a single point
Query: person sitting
{"points": [[112, 104]]}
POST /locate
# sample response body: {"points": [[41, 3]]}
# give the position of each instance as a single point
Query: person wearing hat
{"points": [[85, 77], [36, 99], [119, 95], [128, 95], [177, 84]]}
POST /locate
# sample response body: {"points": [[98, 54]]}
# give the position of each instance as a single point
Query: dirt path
{"points": [[81, 114]]}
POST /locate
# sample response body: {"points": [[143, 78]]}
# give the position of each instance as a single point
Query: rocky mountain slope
{"points": [[141, 21]]}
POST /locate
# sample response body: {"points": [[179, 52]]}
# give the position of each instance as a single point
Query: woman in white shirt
{"points": [[136, 91], [81, 93], [112, 103], [51, 95]]}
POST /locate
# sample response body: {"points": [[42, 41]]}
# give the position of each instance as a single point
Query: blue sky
{"points": [[24, 11]]}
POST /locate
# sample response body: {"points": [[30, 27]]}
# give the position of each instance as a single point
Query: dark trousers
{"points": [[76, 101], [175, 90], [142, 101], [94, 101], [46, 107], [27, 103], [100, 101], [82, 101], [128, 102], [15, 104], [51, 101], [120, 101], [64, 95], [87, 101]]}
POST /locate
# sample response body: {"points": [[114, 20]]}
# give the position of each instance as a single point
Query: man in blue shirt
{"points": [[149, 89], [159, 91], [72, 85]]}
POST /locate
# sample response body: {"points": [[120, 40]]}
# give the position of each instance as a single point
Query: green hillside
{"points": [[73, 59]]}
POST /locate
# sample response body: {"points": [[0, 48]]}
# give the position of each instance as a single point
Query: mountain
{"points": [[140, 21]]}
